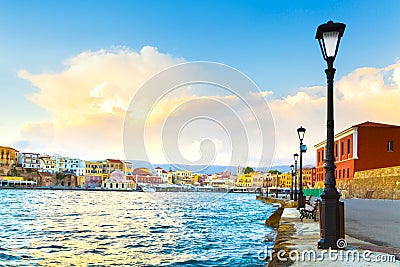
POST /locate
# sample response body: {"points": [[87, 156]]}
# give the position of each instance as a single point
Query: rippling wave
{"points": [[69, 228]]}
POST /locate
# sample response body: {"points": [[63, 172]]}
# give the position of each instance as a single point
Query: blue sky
{"points": [[270, 41]]}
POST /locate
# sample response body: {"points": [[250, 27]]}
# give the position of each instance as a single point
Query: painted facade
{"points": [[364, 146]]}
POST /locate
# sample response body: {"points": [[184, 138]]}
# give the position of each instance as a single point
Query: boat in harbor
{"points": [[148, 189]]}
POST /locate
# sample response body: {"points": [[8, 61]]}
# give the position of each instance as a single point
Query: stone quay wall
{"points": [[385, 182]]}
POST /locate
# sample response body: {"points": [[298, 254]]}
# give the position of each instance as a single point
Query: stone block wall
{"points": [[385, 182]]}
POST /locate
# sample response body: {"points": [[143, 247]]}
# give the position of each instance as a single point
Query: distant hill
{"points": [[203, 168]]}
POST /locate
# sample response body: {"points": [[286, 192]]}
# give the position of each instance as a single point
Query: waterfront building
{"points": [[8, 157], [257, 180], [267, 182], [158, 171], [80, 171], [309, 177], [80, 181], [144, 177], [182, 177], [94, 168], [47, 179], [29, 160], [127, 167], [118, 181], [208, 180], [70, 165], [144, 180], [92, 181], [197, 179], [364, 146], [110, 165], [142, 172], [47, 164], [15, 181], [59, 164], [285, 180], [220, 183], [167, 176], [244, 180]]}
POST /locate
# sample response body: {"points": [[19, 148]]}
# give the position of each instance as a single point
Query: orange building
{"points": [[364, 146]]}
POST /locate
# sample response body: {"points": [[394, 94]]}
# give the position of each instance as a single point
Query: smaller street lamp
{"points": [[301, 132], [296, 157], [291, 184]]}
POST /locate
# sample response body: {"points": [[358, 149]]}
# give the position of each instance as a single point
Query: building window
{"points": [[348, 173], [336, 150], [342, 148], [348, 146], [390, 146]]}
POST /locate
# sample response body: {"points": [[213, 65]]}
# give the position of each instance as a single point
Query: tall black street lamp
{"points": [[291, 184], [296, 157], [277, 177], [300, 132], [328, 36]]}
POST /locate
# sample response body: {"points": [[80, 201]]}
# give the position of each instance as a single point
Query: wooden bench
{"points": [[308, 200], [310, 213]]}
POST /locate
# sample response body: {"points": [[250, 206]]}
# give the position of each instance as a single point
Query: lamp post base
{"points": [[330, 219], [300, 202]]}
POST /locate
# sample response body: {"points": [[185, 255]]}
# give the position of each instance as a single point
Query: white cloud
{"points": [[366, 94], [88, 100]]}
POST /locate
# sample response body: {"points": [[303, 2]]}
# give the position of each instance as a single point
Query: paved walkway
{"points": [[301, 250]]}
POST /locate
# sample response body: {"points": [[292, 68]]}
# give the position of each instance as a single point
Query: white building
{"points": [[159, 171], [167, 176], [47, 164], [29, 160], [57, 163], [118, 181]]}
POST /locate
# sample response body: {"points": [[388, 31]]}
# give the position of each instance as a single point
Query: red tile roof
{"points": [[375, 124], [114, 160], [141, 171]]}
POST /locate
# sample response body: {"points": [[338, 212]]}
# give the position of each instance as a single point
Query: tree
{"points": [[248, 170], [60, 176], [274, 172]]}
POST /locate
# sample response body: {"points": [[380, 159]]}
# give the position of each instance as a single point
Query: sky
{"points": [[69, 71]]}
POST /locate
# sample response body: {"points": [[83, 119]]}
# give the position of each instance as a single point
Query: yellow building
{"points": [[168, 176], [196, 178], [183, 177], [8, 156], [285, 180], [80, 181], [93, 168], [244, 180], [127, 167]]}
